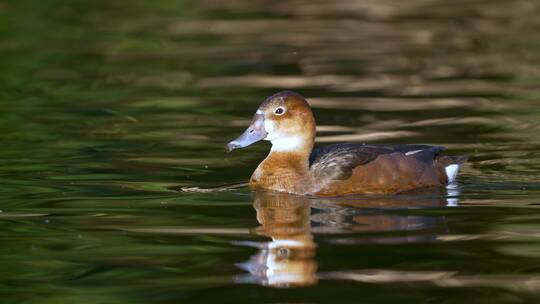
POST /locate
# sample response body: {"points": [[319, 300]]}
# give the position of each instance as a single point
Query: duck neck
{"points": [[287, 162], [286, 167], [293, 144], [291, 152]]}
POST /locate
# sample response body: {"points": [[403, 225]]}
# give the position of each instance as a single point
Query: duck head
{"points": [[285, 119]]}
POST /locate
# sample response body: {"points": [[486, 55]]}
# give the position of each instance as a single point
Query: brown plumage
{"points": [[342, 169]]}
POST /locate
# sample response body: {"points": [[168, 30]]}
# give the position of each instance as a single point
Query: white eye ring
{"points": [[279, 111]]}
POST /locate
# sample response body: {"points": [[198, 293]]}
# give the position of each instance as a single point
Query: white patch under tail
{"points": [[452, 172]]}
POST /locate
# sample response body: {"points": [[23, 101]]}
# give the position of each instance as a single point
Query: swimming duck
{"points": [[286, 120]]}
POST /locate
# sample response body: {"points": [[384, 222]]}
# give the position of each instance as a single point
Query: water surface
{"points": [[106, 107]]}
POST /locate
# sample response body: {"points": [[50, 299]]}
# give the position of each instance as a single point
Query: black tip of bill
{"points": [[231, 146]]}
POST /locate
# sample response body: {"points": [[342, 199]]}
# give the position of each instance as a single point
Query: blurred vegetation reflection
{"points": [[105, 106]]}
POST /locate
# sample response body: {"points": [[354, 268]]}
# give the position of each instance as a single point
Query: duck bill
{"points": [[253, 134]]}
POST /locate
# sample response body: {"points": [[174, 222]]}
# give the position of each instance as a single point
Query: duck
{"points": [[296, 167]]}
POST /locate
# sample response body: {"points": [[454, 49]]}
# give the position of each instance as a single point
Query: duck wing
{"points": [[337, 162]]}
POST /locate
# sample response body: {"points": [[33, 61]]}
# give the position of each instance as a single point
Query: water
{"points": [[108, 107]]}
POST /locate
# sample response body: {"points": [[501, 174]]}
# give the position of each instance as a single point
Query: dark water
{"points": [[104, 105]]}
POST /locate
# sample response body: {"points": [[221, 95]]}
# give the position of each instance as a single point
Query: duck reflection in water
{"points": [[292, 222]]}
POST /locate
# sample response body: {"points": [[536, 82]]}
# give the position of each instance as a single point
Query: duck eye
{"points": [[279, 111]]}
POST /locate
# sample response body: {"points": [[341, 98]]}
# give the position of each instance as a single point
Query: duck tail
{"points": [[451, 165]]}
